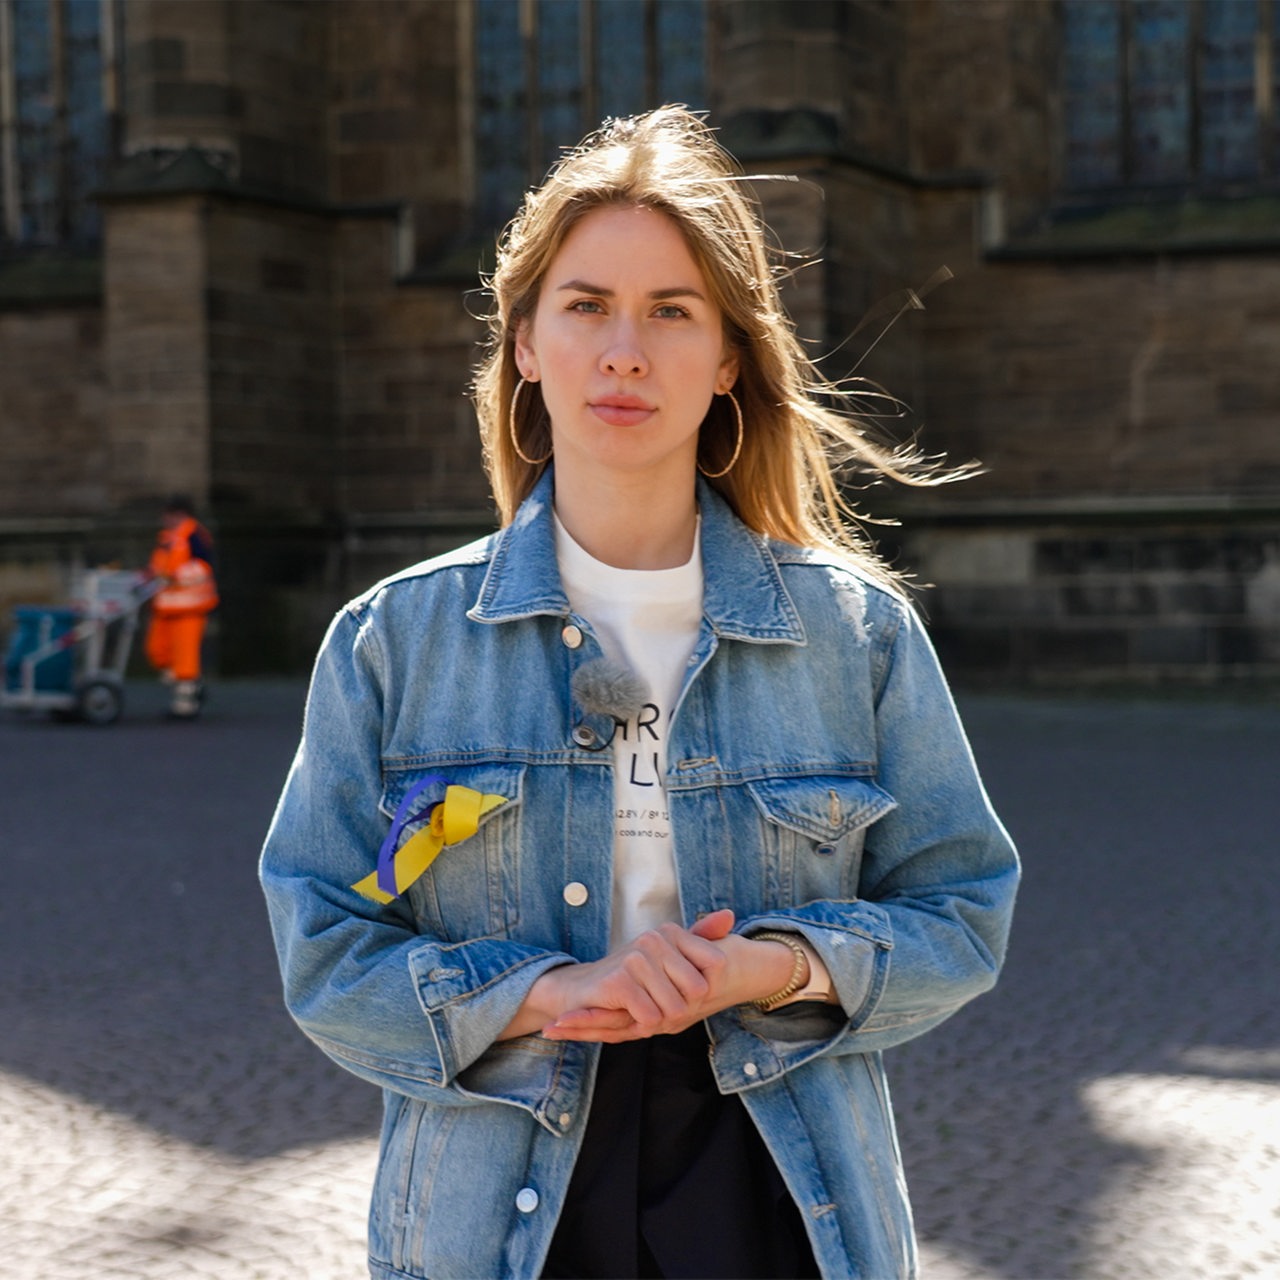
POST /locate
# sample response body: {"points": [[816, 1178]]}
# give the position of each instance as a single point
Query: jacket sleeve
{"points": [[929, 928], [409, 1012]]}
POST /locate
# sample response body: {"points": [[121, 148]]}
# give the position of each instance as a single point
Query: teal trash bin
{"points": [[34, 627]]}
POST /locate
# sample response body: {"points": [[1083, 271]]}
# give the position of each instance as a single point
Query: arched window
{"points": [[548, 70], [58, 87], [1170, 93]]}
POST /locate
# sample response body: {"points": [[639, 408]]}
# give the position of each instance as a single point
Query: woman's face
{"points": [[628, 347]]}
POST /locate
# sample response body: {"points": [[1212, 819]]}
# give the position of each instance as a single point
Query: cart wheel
{"points": [[100, 702]]}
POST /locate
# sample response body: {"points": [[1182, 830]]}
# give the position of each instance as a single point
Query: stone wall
{"points": [[1123, 377], [978, 85], [245, 82], [55, 457], [284, 322], [816, 77], [409, 438], [157, 413], [272, 361], [400, 117], [1117, 391], [1184, 597]]}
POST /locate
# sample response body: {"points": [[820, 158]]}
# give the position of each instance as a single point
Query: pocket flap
{"points": [[824, 808], [498, 779]]}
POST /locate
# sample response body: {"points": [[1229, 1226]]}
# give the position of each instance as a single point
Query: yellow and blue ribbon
{"points": [[455, 817]]}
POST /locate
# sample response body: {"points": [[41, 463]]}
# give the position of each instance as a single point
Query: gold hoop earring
{"points": [[511, 427], [737, 448]]}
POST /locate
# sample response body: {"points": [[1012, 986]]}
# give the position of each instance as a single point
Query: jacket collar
{"points": [[743, 597]]}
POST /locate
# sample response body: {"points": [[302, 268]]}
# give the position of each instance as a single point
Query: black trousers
{"points": [[673, 1179]]}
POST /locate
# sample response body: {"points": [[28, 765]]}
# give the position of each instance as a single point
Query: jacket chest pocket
{"points": [[814, 829], [471, 889]]}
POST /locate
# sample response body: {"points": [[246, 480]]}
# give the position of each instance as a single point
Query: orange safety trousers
{"points": [[173, 643]]}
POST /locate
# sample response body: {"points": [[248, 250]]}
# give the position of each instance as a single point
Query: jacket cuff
{"points": [[470, 991], [853, 941]]}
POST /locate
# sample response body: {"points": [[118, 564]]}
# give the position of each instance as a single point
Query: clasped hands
{"points": [[659, 983]]}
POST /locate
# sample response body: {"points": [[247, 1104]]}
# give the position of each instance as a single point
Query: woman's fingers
{"points": [[660, 982], [714, 925], [651, 978], [607, 1026], [590, 1024], [657, 962]]}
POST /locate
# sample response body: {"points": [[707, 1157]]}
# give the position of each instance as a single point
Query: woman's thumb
{"points": [[714, 925]]}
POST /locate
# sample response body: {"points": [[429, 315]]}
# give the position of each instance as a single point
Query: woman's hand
{"points": [[657, 984]]}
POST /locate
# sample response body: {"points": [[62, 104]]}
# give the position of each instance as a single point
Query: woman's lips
{"points": [[621, 411]]}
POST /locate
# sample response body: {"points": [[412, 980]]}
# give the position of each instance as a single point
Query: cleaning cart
{"points": [[70, 659]]}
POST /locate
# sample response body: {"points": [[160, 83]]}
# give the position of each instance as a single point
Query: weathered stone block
{"points": [[377, 125], [1085, 555], [1076, 648], [1169, 646], [167, 99], [1211, 597], [1093, 597], [159, 54], [975, 649]]}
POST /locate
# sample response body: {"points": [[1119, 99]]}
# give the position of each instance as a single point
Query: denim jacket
{"points": [[818, 782]]}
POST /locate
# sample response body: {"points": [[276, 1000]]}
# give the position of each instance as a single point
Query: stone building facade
{"points": [[270, 299]]}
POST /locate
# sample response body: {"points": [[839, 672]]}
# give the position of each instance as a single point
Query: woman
{"points": [[665, 766]]}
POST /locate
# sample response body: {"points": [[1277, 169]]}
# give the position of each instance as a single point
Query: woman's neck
{"points": [[631, 528]]}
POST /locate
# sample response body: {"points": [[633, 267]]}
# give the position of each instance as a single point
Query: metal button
{"points": [[526, 1199], [750, 1069], [571, 636], [576, 893], [565, 1119], [584, 735]]}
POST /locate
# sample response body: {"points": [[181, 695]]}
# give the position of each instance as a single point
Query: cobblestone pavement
{"points": [[1111, 1112]]}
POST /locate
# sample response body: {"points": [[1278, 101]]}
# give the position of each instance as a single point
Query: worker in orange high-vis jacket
{"points": [[183, 561]]}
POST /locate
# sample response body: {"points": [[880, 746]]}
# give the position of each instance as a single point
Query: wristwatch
{"points": [[819, 986]]}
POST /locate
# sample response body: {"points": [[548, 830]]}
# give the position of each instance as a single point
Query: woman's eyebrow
{"points": [[599, 291]]}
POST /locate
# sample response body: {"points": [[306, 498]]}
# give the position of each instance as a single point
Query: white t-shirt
{"points": [[648, 620]]}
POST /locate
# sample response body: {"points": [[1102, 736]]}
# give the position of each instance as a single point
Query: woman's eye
{"points": [[588, 306], [670, 311]]}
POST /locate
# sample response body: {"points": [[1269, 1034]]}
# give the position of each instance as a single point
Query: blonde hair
{"points": [[784, 483]]}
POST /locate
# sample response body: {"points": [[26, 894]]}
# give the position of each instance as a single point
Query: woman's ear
{"points": [[526, 355], [728, 375]]}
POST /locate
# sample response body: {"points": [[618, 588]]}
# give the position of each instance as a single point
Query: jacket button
{"points": [[584, 735], [571, 636], [526, 1199], [576, 893], [750, 1069]]}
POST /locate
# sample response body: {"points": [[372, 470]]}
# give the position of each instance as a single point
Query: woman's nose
{"points": [[624, 357]]}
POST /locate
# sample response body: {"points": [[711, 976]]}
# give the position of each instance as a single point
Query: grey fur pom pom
{"points": [[605, 687]]}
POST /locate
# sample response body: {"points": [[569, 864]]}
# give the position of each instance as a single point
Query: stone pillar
{"points": [[180, 89], [808, 89], [156, 349]]}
